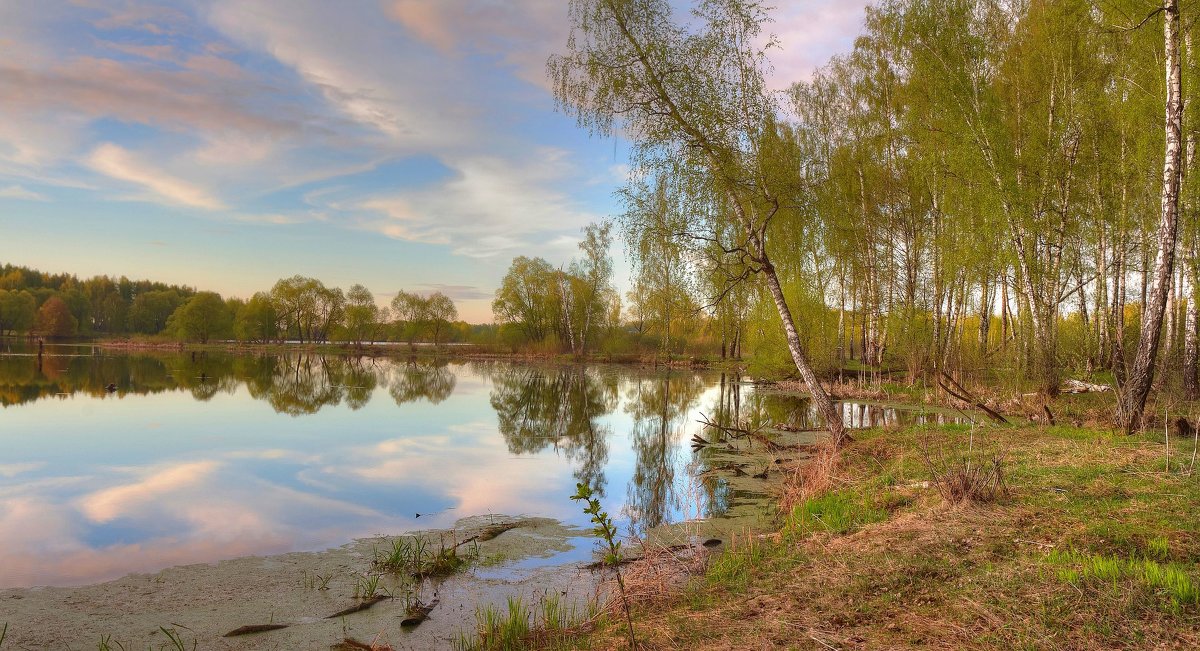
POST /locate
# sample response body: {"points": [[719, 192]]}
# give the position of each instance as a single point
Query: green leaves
{"points": [[604, 528]]}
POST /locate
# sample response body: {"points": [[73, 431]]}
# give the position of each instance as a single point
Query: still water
{"points": [[112, 463]]}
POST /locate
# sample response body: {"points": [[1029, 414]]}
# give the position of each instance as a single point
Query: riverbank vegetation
{"points": [[976, 185], [1090, 546]]}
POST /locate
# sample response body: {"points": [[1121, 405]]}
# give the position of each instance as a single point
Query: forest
{"points": [[975, 185]]}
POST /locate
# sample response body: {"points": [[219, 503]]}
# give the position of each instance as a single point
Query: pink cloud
{"points": [[809, 33], [521, 33], [139, 93]]}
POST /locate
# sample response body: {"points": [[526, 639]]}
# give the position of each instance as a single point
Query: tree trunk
{"points": [[1191, 337], [833, 419], [1142, 374]]}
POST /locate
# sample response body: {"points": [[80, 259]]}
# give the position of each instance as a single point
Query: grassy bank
{"points": [[1095, 544]]}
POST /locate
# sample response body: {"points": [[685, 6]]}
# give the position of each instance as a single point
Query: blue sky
{"points": [[224, 144]]}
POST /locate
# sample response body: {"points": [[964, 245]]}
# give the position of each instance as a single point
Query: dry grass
{"points": [[814, 476], [942, 575], [964, 477]]}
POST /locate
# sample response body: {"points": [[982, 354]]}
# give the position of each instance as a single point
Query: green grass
{"points": [[734, 567], [175, 640], [883, 561], [366, 586], [551, 625], [417, 558], [314, 581], [1170, 580], [835, 513]]}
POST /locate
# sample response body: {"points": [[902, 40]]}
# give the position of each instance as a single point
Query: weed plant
{"points": [[415, 557], [366, 586], [175, 640], [314, 581], [607, 531]]}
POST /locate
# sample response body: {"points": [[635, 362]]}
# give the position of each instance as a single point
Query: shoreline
{"points": [[299, 591]]}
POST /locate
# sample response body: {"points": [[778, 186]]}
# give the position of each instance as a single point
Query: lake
{"points": [[119, 462]]}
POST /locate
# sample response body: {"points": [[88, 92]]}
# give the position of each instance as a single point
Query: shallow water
{"points": [[204, 457]]}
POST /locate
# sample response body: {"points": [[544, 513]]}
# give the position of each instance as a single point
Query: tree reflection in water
{"points": [[543, 408], [660, 408], [417, 379], [297, 384]]}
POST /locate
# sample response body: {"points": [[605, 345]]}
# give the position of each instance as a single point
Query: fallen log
{"points": [[254, 628], [359, 607], [417, 613], [965, 396]]}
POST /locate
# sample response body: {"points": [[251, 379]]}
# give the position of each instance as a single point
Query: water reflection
{"points": [[660, 408], [539, 409], [297, 385], [421, 380], [194, 458]]}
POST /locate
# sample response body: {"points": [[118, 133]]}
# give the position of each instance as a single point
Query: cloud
{"points": [[18, 192], [148, 17], [142, 93], [153, 52], [809, 33], [111, 503], [116, 162], [492, 206], [367, 71], [458, 292], [522, 34]]}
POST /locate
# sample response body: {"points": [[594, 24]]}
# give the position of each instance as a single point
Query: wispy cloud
{"points": [[119, 163], [456, 292], [18, 192], [493, 206]]}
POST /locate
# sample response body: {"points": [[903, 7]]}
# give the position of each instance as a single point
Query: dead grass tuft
{"points": [[815, 476], [964, 476]]}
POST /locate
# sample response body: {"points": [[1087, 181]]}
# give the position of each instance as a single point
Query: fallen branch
{"points": [[254, 628], [359, 607], [965, 396]]}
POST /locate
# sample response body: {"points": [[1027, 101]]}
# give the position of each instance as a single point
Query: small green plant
{"points": [[175, 640], [108, 644], [607, 531], [366, 586], [3, 633], [314, 581]]}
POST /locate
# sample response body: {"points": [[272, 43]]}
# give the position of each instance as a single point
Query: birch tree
{"points": [[694, 103]]}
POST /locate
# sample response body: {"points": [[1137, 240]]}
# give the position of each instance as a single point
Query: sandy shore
{"points": [[203, 602]]}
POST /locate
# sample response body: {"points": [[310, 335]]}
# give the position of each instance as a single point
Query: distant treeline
{"points": [[298, 308]]}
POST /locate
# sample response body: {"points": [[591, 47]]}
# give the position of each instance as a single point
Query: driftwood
{"points": [[359, 607], [1079, 386], [962, 394], [743, 433], [351, 644], [785, 427], [417, 613], [710, 543], [255, 628]]}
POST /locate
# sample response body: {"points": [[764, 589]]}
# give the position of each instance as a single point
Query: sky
{"points": [[225, 144]]}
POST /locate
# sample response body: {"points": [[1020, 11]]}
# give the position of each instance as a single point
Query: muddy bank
{"points": [[202, 603]]}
